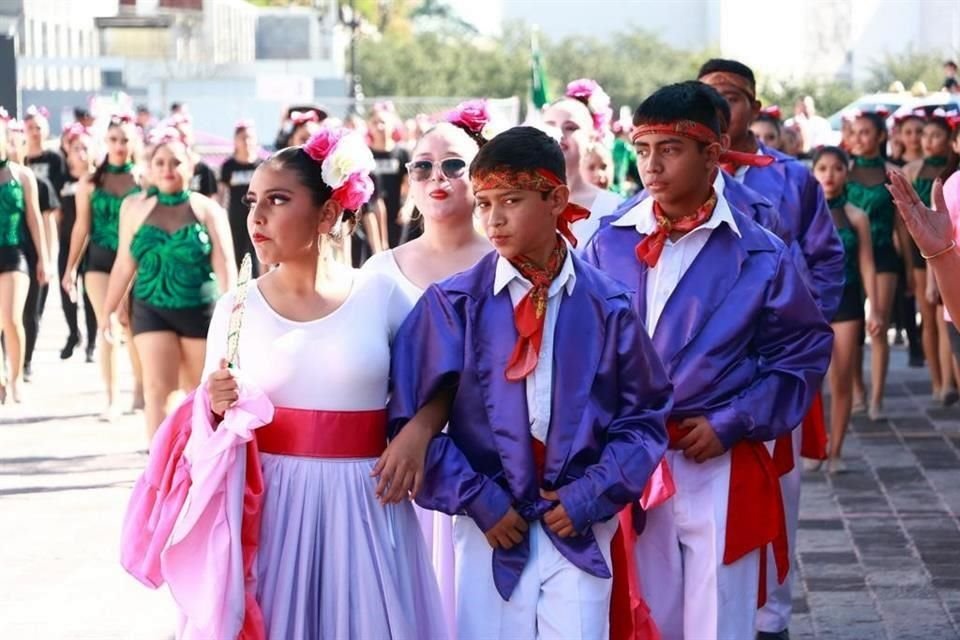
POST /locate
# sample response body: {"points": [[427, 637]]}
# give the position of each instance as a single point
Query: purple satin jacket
{"points": [[741, 337], [607, 427], [796, 194]]}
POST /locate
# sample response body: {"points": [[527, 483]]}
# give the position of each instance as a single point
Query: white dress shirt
{"points": [[677, 256], [540, 382], [741, 173]]}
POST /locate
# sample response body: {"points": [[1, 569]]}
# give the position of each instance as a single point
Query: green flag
{"points": [[539, 92]]}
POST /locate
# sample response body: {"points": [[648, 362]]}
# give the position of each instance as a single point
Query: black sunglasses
{"points": [[421, 170]]}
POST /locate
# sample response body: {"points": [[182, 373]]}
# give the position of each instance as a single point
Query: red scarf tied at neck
{"points": [[650, 248], [529, 316]]}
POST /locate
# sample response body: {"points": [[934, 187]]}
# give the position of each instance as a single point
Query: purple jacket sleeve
{"points": [[794, 343], [821, 249], [427, 356], [636, 438]]}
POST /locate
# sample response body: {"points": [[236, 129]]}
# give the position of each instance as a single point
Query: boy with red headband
{"points": [[745, 346], [558, 406], [813, 238]]}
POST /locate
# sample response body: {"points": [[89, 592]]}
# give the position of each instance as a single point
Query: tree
{"points": [[908, 68]]}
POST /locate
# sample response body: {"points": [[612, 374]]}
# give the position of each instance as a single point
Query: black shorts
{"points": [[191, 322], [100, 259], [13, 259], [954, 339], [887, 259], [851, 304]]}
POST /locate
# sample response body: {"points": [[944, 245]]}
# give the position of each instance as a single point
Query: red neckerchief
{"points": [[731, 161], [530, 314], [650, 248], [539, 180]]}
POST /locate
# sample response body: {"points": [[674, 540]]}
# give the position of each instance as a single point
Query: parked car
{"points": [[930, 103]]}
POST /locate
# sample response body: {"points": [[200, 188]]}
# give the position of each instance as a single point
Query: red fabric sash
{"points": [[253, 626], [813, 437], [325, 434], [630, 617], [755, 514]]}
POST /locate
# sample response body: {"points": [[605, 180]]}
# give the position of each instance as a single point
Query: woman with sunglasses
{"points": [[440, 189]]}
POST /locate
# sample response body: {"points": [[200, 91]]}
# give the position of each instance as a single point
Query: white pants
{"points": [[691, 593], [554, 598], [775, 614]]}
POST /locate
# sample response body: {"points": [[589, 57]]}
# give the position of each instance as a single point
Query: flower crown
{"points": [[345, 164], [165, 134], [124, 117], [74, 131], [34, 111], [473, 117], [591, 94], [299, 118]]}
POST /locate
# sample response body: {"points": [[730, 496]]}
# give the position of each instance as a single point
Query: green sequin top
{"points": [[850, 240], [12, 210], [105, 217], [924, 185], [174, 269], [877, 202]]}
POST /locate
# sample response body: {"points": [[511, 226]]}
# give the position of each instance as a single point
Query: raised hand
{"points": [[931, 229]]}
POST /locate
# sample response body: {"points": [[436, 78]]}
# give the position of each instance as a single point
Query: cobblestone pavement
{"points": [[878, 551]]}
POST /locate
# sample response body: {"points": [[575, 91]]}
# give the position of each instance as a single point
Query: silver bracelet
{"points": [[951, 247]]}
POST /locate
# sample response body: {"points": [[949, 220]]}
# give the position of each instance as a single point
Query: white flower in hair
{"points": [[349, 155]]}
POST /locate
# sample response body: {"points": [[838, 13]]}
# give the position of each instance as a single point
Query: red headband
{"points": [[686, 128], [539, 180], [719, 78], [701, 133]]}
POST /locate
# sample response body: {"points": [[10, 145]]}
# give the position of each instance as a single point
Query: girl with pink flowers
{"points": [[331, 561], [583, 117]]}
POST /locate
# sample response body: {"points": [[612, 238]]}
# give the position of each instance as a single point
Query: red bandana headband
{"points": [[539, 180], [720, 78], [702, 133], [686, 128]]}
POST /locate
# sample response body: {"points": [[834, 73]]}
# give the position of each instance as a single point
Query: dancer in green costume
{"points": [[175, 246], [867, 190], [94, 240], [18, 205]]}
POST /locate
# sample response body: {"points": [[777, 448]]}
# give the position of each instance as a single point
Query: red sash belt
{"points": [[813, 437], [325, 434], [755, 515]]}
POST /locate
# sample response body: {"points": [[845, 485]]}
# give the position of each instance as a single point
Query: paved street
{"points": [[879, 548]]}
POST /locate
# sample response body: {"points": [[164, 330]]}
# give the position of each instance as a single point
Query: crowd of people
{"points": [[591, 350]]}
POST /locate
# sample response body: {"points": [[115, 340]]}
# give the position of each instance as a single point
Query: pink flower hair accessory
{"points": [[473, 117], [34, 111], [165, 135], [76, 130], [591, 94], [773, 111], [345, 164], [299, 118]]}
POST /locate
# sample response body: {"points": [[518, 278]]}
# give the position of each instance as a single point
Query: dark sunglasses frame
{"points": [[451, 168]]}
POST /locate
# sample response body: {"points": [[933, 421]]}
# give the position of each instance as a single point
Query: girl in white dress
{"points": [[441, 190], [583, 118], [332, 562]]}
